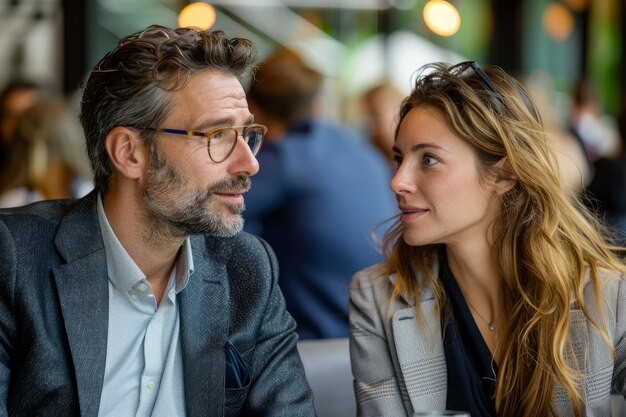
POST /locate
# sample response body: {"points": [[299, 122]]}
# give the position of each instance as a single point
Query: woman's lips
{"points": [[409, 213]]}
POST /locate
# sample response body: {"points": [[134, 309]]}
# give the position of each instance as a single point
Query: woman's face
{"points": [[439, 189]]}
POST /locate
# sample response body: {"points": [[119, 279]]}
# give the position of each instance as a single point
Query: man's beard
{"points": [[175, 210]]}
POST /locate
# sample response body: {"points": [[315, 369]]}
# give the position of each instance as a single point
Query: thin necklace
{"points": [[491, 325]]}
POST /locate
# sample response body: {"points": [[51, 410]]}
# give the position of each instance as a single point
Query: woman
{"points": [[499, 296]]}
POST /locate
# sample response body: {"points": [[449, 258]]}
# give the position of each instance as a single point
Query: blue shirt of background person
{"points": [[319, 194]]}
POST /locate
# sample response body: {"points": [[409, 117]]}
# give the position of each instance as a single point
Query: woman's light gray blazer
{"points": [[400, 367]]}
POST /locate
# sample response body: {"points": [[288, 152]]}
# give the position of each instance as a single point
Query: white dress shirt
{"points": [[143, 374]]}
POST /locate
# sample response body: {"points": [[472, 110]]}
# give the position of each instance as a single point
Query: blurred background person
{"points": [[319, 193], [597, 130], [606, 194], [45, 158], [381, 104], [15, 98], [601, 136], [574, 166]]}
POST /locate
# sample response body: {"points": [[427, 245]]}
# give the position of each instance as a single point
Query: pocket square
{"points": [[237, 374]]}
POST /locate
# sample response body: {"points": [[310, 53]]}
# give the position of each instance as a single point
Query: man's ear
{"points": [[504, 178], [128, 154]]}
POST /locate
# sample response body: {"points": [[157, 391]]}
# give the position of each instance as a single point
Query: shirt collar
{"points": [[184, 266]]}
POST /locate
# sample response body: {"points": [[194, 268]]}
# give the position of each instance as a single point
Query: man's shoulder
{"points": [[42, 211], [41, 221], [331, 131]]}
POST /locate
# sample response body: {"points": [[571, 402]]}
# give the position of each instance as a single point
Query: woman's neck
{"points": [[476, 273]]}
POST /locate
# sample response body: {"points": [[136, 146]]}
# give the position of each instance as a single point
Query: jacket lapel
{"points": [[82, 285], [204, 323], [420, 352]]}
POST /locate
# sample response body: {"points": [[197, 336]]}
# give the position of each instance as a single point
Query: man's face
{"points": [[185, 192]]}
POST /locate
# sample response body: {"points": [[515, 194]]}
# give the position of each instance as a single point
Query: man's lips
{"points": [[235, 196], [232, 193]]}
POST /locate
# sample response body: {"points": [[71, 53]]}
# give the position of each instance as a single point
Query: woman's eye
{"points": [[398, 160], [430, 160]]}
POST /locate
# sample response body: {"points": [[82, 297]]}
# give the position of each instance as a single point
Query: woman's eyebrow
{"points": [[418, 147]]}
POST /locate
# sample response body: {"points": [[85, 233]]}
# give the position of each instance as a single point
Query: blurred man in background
{"points": [[320, 192]]}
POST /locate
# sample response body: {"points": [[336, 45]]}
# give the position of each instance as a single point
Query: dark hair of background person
{"points": [[17, 96], [47, 148], [6, 111], [285, 88], [130, 85], [381, 105]]}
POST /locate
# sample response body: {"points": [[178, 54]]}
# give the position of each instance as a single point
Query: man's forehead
{"points": [[210, 99], [213, 86]]}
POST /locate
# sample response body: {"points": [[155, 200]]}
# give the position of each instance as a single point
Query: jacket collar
{"points": [[427, 293], [82, 286], [419, 349], [204, 321]]}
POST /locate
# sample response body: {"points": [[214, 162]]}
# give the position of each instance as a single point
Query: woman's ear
{"points": [[504, 179], [127, 152]]}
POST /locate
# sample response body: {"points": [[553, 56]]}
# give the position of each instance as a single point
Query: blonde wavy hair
{"points": [[547, 243]]}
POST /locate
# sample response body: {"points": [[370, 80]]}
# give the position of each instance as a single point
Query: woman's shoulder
{"points": [[374, 281], [377, 274], [608, 278], [611, 284], [377, 282]]}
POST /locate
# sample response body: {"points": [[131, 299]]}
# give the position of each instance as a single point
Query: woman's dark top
{"points": [[471, 369]]}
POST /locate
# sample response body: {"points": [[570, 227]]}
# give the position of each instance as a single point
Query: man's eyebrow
{"points": [[214, 123], [223, 122], [418, 147]]}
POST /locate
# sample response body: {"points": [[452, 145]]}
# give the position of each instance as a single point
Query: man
{"points": [[143, 299], [321, 192]]}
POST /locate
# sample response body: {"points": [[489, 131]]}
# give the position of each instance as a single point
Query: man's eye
{"points": [[219, 135]]}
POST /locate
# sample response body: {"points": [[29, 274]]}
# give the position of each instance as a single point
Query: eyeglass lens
{"points": [[223, 142]]}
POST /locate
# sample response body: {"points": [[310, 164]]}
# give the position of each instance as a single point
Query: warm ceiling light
{"points": [[578, 5], [442, 17], [200, 15], [558, 21]]}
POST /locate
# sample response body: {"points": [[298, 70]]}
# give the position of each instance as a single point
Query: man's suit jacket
{"points": [[399, 365], [54, 320]]}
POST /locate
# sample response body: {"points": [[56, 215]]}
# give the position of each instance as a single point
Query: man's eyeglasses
{"points": [[221, 142]]}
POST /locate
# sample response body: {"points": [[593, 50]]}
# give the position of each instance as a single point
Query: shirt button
{"points": [[142, 287], [133, 297], [151, 384]]}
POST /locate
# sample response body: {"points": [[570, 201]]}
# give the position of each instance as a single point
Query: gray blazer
{"points": [[54, 318], [400, 367]]}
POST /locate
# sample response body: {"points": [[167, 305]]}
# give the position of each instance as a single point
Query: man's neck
{"points": [[153, 253]]}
